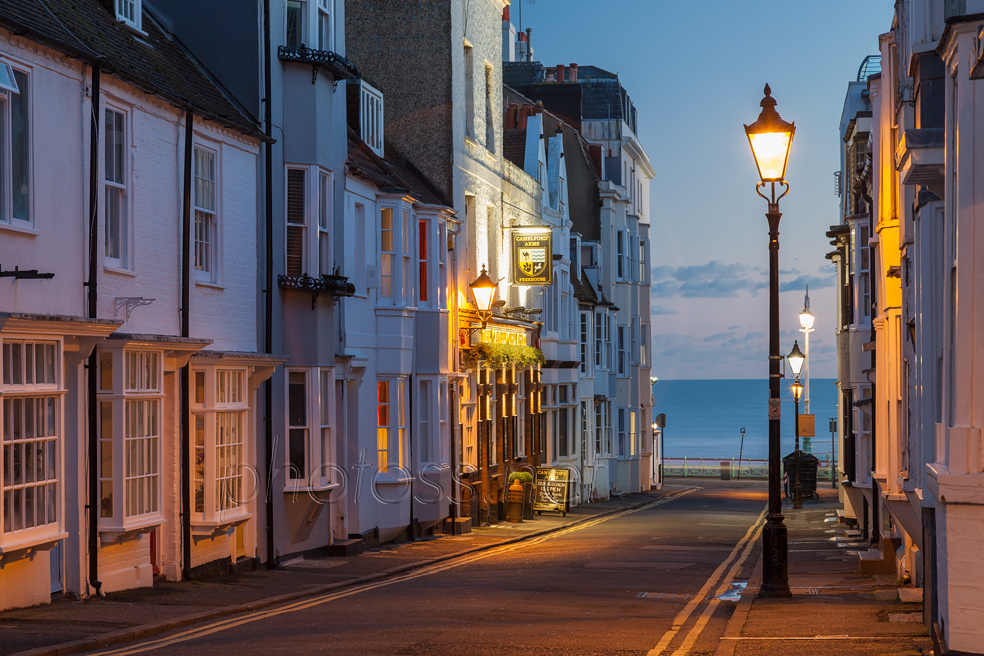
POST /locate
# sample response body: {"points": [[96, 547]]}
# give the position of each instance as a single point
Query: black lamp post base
{"points": [[775, 569]]}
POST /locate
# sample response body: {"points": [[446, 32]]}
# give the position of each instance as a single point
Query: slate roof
{"points": [[155, 63], [517, 74], [582, 289], [395, 174]]}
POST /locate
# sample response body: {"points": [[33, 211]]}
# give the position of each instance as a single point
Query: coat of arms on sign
{"points": [[532, 261]]}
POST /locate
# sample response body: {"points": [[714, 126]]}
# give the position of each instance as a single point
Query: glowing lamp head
{"points": [[797, 388], [806, 319], [484, 290], [770, 138], [796, 359]]}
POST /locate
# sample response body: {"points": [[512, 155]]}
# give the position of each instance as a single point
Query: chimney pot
{"points": [[560, 72], [505, 13], [550, 74], [572, 72]]}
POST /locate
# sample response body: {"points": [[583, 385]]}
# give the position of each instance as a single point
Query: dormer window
{"points": [[371, 117], [129, 12]]}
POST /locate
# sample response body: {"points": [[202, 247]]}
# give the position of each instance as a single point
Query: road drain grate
{"points": [[667, 596]]}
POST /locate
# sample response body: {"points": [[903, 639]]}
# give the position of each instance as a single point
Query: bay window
{"points": [[31, 417], [309, 23], [391, 426], [220, 442], [130, 393]]}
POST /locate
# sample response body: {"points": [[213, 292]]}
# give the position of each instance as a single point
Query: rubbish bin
{"points": [[808, 465], [725, 470]]}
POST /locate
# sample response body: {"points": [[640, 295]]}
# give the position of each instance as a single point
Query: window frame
{"points": [[123, 259], [620, 260], [206, 250], [24, 148], [52, 452], [318, 471], [117, 398], [392, 436], [136, 8]]}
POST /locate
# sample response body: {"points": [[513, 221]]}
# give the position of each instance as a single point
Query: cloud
{"points": [[712, 280], [800, 283], [662, 310]]}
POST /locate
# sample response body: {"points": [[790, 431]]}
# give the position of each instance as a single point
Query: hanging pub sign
{"points": [[532, 256]]}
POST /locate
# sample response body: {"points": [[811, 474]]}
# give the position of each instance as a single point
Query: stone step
{"points": [[342, 548]]}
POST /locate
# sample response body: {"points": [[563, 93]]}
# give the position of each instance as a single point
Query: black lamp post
{"points": [[796, 360], [797, 487], [770, 137]]}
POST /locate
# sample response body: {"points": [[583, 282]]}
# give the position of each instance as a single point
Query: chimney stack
{"points": [[560, 73], [572, 73]]}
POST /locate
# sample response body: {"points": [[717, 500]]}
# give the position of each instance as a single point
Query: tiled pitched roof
{"points": [[155, 63], [582, 289], [394, 174]]}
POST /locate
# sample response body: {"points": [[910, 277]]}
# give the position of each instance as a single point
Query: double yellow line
{"points": [[744, 548], [429, 570]]}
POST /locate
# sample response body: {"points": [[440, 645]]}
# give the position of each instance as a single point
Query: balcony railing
{"points": [[337, 66]]}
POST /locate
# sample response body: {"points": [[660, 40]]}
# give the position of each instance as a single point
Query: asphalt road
{"points": [[627, 584]]}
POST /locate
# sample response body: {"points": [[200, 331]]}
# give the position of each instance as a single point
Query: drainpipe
{"points": [[91, 381], [268, 282], [184, 385]]}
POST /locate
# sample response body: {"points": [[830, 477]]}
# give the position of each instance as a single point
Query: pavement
{"points": [[834, 609]]}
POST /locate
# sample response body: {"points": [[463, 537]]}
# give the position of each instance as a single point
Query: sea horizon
{"points": [[704, 417]]}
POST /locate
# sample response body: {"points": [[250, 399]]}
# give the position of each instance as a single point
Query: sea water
{"points": [[704, 418]]}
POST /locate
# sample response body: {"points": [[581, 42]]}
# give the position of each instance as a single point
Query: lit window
{"points": [[387, 255], [391, 426]]}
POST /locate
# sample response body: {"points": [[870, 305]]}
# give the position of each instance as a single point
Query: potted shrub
{"points": [[525, 480]]}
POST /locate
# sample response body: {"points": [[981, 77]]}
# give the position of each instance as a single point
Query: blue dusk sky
{"points": [[696, 72]]}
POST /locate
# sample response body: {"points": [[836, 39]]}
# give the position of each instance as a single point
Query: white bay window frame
{"points": [[130, 393], [392, 447], [221, 441], [31, 442]]}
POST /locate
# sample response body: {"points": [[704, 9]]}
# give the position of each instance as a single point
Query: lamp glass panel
{"points": [[795, 363], [806, 320], [483, 297], [770, 150]]}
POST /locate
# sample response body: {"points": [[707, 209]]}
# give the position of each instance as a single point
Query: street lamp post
{"points": [[796, 359], [797, 488], [770, 137], [806, 327]]}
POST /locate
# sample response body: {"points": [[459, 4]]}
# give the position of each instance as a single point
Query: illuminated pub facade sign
{"points": [[532, 252]]}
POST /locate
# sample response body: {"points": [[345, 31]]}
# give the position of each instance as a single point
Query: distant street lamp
{"points": [[796, 360], [770, 138], [797, 488], [806, 327]]}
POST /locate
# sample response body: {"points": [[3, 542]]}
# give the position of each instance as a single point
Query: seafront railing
{"points": [[732, 468]]}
